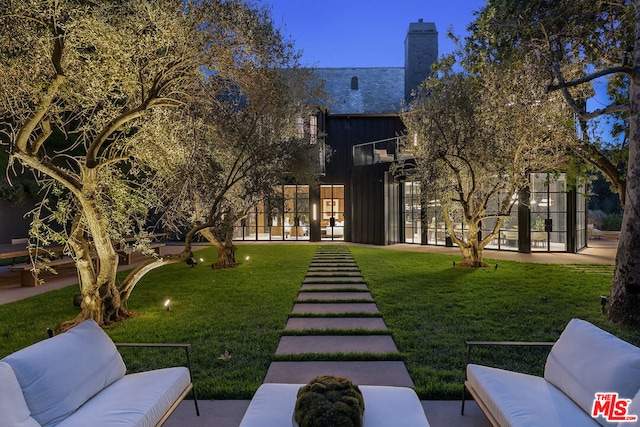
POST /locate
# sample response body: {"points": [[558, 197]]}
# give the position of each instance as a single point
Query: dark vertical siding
{"points": [[364, 186]]}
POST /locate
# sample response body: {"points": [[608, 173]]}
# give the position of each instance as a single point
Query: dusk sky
{"points": [[365, 33]]}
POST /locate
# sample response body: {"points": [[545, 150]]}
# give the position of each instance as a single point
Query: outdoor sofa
{"points": [[78, 378], [583, 362]]}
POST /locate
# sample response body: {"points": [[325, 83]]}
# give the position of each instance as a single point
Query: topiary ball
{"points": [[328, 401]]}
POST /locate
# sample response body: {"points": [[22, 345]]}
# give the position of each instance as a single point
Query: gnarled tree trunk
{"points": [[624, 304]]}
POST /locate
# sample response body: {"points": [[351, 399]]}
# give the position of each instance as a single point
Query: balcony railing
{"points": [[383, 151]]}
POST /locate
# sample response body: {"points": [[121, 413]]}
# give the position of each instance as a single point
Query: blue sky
{"points": [[365, 33]]}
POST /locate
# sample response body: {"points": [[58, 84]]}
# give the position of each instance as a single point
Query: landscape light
{"points": [[247, 258], [167, 305]]}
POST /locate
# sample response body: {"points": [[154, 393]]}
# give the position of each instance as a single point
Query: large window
{"points": [[507, 238], [434, 223], [412, 212], [283, 216]]}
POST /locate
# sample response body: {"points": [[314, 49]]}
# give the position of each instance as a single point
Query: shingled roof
{"points": [[363, 90]]}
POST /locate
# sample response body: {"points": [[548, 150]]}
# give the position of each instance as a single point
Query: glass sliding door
{"points": [[548, 212], [332, 212]]}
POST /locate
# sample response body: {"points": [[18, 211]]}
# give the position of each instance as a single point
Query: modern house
{"points": [[364, 198]]}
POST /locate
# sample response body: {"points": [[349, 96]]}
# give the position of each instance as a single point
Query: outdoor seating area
{"points": [[583, 362], [79, 378]]}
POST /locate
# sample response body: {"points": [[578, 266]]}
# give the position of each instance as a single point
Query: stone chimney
{"points": [[420, 51]]}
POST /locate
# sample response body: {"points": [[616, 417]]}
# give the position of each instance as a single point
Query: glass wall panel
{"points": [[285, 215], [434, 223], [548, 212], [412, 212], [581, 217]]}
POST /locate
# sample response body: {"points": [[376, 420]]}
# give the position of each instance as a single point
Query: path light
{"points": [[603, 303], [192, 262], [247, 258], [201, 260], [167, 305]]}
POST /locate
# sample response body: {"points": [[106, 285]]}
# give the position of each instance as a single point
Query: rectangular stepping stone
{"points": [[336, 286], [332, 268], [335, 296], [339, 323], [334, 279], [326, 344], [335, 308], [334, 274], [391, 373]]}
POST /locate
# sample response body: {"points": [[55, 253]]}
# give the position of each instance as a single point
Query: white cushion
{"points": [[135, 400], [273, 404], [586, 360], [60, 374], [516, 399], [12, 405]]}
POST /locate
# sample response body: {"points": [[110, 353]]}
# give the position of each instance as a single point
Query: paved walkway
{"points": [[335, 322]]}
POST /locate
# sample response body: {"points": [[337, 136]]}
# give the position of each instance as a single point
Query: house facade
{"points": [[363, 198]]}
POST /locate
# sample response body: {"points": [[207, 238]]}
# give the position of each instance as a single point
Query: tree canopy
{"points": [[478, 137], [579, 43], [96, 98]]}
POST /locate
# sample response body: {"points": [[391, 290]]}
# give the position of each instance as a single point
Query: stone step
{"points": [[354, 273], [390, 373], [349, 265], [337, 323], [335, 296], [332, 268], [327, 344], [334, 286], [334, 279], [334, 308]]}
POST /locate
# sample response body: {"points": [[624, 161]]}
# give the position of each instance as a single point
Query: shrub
{"points": [[328, 401]]}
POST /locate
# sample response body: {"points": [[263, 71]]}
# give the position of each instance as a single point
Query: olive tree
{"points": [[86, 94], [581, 43], [477, 139], [245, 139]]}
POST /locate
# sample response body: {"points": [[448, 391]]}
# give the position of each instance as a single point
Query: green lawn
{"points": [[430, 307]]}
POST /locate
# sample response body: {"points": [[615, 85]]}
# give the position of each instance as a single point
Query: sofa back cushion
{"points": [[587, 360], [13, 408], [59, 374]]}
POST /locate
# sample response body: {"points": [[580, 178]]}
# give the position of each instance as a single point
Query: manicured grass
{"points": [[430, 307], [433, 308]]}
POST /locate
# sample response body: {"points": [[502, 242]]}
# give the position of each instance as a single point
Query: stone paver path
{"points": [[335, 328]]}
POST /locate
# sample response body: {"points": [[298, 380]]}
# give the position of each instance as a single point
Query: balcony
{"points": [[383, 151]]}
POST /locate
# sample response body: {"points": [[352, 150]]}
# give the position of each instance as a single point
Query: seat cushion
{"points": [[587, 360], [13, 408], [60, 374], [516, 399], [135, 400]]}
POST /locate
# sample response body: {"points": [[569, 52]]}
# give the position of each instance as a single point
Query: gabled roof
{"points": [[378, 90]]}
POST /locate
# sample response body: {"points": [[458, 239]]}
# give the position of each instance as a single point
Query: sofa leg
{"points": [[195, 401], [463, 399]]}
